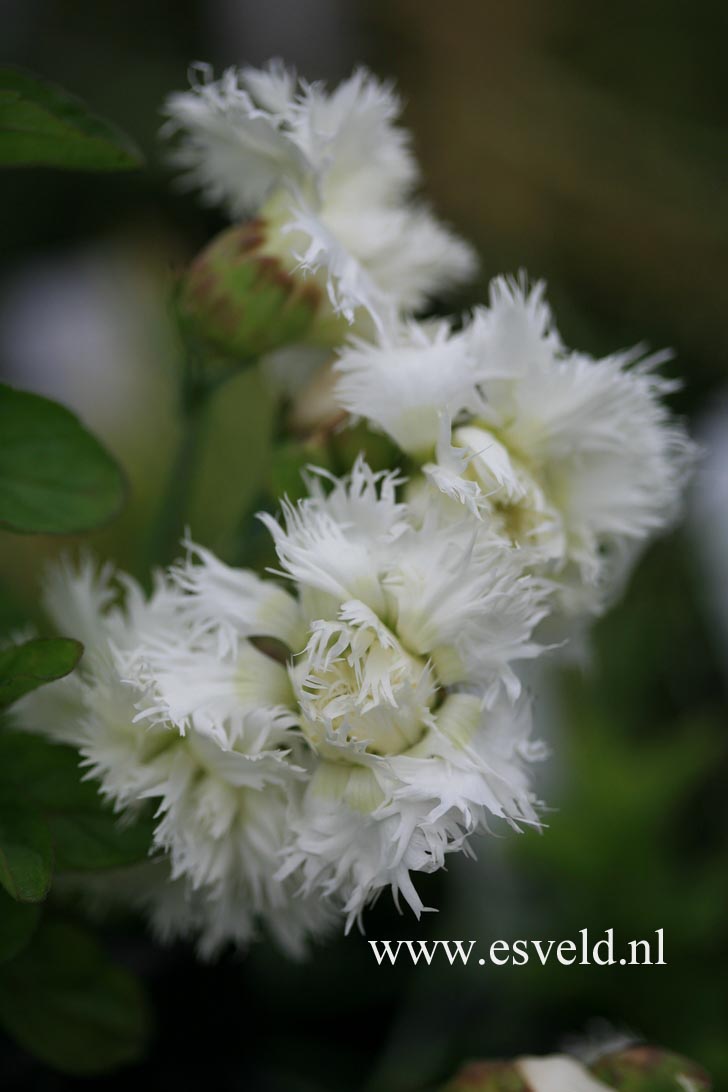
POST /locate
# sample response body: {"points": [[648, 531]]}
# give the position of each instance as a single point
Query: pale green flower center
{"points": [[519, 501], [358, 685]]}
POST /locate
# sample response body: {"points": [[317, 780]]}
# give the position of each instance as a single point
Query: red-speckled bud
{"points": [[240, 298]]}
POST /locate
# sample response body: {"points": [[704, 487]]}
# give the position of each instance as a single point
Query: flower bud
{"points": [[488, 1077], [650, 1069], [241, 298]]}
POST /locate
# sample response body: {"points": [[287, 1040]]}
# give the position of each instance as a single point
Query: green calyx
{"points": [[241, 299]]}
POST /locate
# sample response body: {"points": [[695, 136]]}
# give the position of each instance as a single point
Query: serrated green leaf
{"points": [[18, 922], [55, 477], [24, 667], [65, 1002], [41, 125], [26, 854]]}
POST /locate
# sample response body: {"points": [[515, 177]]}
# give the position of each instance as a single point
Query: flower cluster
{"points": [[319, 734]]}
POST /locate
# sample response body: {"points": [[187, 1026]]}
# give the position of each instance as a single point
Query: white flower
{"points": [[331, 173], [576, 461], [405, 688], [166, 710], [307, 747]]}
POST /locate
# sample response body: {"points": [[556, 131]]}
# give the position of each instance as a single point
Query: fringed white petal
{"points": [[351, 135], [231, 604], [464, 600], [406, 382], [335, 543], [227, 145]]}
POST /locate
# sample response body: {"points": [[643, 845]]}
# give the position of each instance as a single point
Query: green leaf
{"points": [[93, 840], [42, 774], [18, 922], [41, 125], [54, 476], [26, 855], [86, 833], [65, 1002], [24, 667]]}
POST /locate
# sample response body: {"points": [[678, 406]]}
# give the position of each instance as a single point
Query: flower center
{"points": [[523, 510], [356, 684]]}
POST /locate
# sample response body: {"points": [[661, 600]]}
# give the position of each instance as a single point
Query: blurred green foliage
{"points": [[588, 145], [70, 1006], [41, 125]]}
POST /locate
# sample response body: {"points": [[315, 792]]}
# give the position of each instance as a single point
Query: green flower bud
{"points": [[650, 1069], [241, 298], [488, 1077]]}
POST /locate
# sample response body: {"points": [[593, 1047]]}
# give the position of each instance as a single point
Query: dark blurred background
{"points": [[587, 144]]}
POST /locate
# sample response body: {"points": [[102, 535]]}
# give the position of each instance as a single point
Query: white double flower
{"points": [[306, 747], [575, 461]]}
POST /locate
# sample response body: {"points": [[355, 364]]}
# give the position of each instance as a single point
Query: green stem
{"points": [[199, 382], [169, 527]]}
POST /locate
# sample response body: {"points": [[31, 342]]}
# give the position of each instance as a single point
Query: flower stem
{"points": [[199, 381], [169, 526]]}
